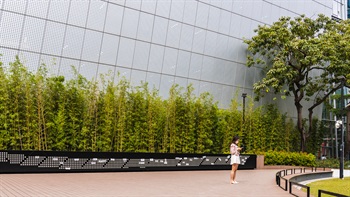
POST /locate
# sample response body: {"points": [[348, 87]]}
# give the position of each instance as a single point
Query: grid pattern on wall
{"points": [[72, 161], [159, 41]]}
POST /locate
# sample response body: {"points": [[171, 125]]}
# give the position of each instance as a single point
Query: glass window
{"points": [[208, 69], [170, 61], [78, 13], [10, 24], [58, 11], [156, 58], [38, 8], [141, 55], [16, 6], [195, 66], [105, 70], [174, 31], [53, 38], [144, 31], [51, 62], [88, 70], [204, 87], [214, 19], [153, 80], [130, 22], [137, 77], [66, 68], [136, 4], [186, 37], [109, 49], [240, 74], [73, 43], [149, 6], [221, 45], [227, 95], [229, 72], [235, 25], [33, 32], [165, 85], [114, 19], [225, 19], [126, 52], [183, 64], [119, 2], [31, 61], [190, 10], [250, 75], [227, 5], [210, 43], [122, 73], [202, 15], [177, 9], [160, 30], [97, 14], [163, 8], [92, 44], [181, 81], [198, 40]]}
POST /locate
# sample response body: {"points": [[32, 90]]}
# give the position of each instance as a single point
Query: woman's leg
{"points": [[232, 174], [234, 167]]}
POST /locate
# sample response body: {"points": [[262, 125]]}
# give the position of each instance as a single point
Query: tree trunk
{"points": [[300, 126], [310, 120]]}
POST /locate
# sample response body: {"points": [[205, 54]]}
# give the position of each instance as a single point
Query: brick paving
{"points": [[134, 184]]}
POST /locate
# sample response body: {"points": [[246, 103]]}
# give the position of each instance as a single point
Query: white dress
{"points": [[234, 154]]}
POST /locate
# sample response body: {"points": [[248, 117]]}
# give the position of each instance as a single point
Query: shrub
{"points": [[332, 163], [289, 158]]}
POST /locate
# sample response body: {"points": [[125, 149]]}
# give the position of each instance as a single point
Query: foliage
{"points": [[332, 163], [305, 58], [42, 112], [289, 158]]}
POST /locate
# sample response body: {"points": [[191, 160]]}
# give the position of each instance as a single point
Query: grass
{"points": [[333, 185]]}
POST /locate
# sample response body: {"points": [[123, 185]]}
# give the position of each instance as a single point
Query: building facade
{"points": [[161, 42]]}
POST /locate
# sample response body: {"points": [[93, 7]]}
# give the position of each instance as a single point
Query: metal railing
{"points": [[320, 192], [280, 175], [291, 183]]}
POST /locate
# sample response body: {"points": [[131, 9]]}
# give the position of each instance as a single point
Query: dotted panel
{"points": [[53, 162], [115, 163], [223, 160], [16, 158], [162, 162], [209, 161], [33, 161], [244, 159], [96, 163], [74, 163], [192, 161], [3, 157]]}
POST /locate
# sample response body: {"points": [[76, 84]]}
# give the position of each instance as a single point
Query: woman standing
{"points": [[235, 161]]}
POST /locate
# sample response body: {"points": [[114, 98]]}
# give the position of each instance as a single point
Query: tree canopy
{"points": [[304, 58]]}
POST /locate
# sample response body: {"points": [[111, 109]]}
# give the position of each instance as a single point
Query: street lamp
{"points": [[341, 151], [244, 95]]}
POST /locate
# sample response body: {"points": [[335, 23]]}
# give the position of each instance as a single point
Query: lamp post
{"points": [[244, 95], [341, 151]]}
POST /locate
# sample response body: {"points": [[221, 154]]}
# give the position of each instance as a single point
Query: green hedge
{"points": [[289, 158], [332, 163]]}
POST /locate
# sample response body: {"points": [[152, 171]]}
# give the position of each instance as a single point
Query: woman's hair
{"points": [[235, 138]]}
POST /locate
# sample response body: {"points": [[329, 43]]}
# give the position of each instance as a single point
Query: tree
{"points": [[304, 58]]}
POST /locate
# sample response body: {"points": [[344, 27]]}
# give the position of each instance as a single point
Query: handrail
{"points": [[320, 192], [291, 183]]}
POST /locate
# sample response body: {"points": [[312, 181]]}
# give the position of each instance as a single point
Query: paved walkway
{"points": [[134, 184]]}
